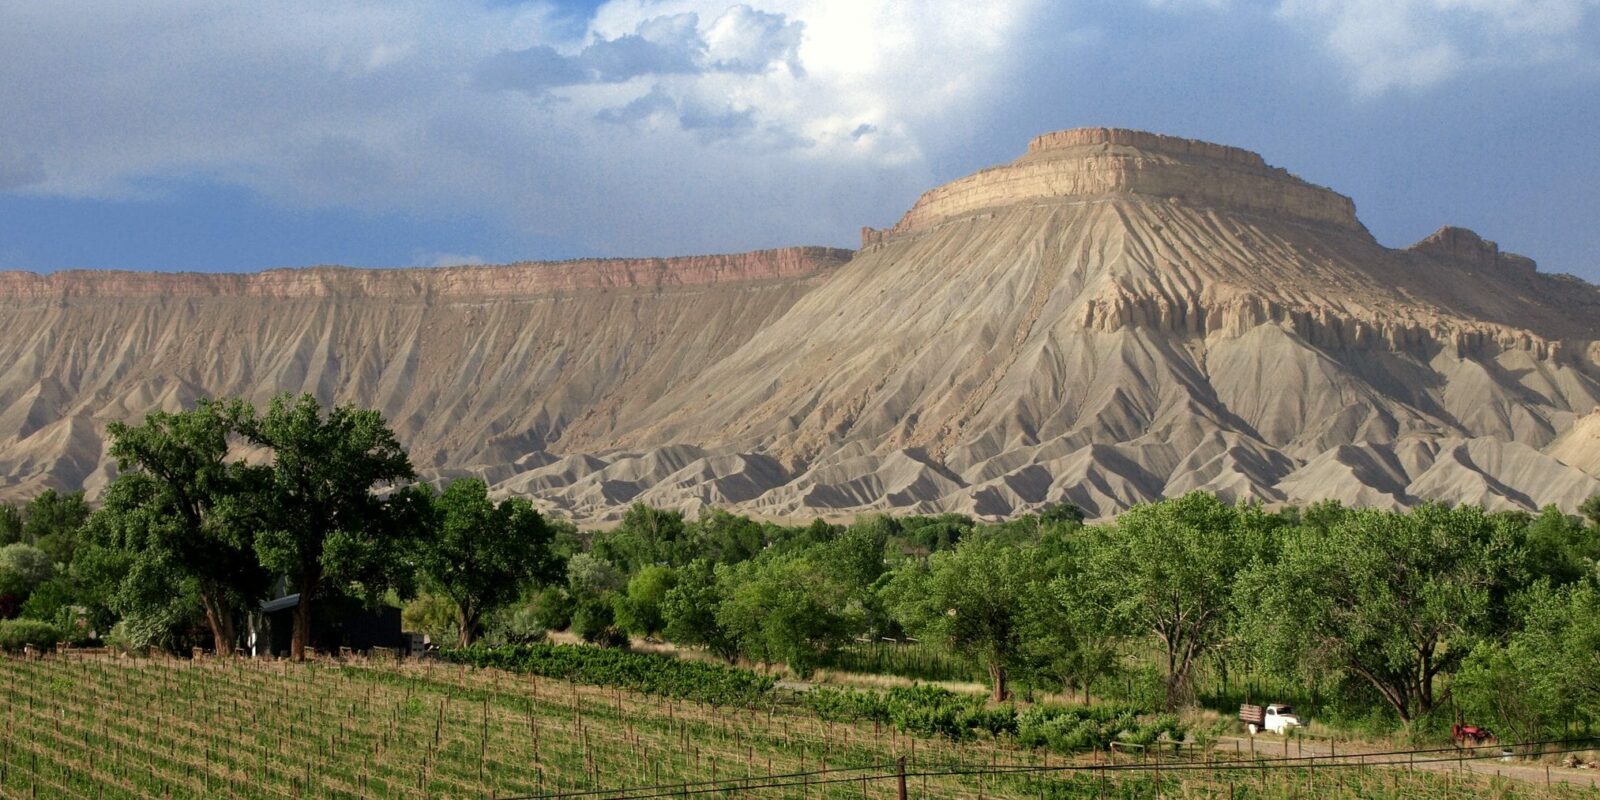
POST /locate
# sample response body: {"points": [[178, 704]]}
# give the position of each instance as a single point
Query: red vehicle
{"points": [[1470, 735]]}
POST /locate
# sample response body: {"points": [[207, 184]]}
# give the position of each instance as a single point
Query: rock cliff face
{"points": [[1113, 317]]}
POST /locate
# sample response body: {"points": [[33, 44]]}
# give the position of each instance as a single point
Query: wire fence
{"points": [[900, 773]]}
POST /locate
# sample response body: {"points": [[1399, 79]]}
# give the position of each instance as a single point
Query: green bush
{"points": [[17, 633], [641, 672], [554, 609]]}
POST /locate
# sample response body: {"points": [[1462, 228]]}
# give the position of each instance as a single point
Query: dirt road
{"points": [[1320, 751]]}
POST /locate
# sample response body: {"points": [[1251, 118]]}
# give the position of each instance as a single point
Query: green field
{"points": [[94, 727]]}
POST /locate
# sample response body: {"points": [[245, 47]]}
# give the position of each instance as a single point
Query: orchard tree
{"points": [[689, 611], [1167, 570], [972, 599], [479, 553], [784, 609], [332, 530], [184, 515], [1393, 599], [638, 610]]}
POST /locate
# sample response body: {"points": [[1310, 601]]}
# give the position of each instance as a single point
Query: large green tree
{"points": [[180, 506], [689, 611], [1393, 599], [334, 530], [787, 609], [972, 599], [480, 553], [1167, 570]]}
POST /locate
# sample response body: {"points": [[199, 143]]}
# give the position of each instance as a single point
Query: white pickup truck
{"points": [[1275, 718]]}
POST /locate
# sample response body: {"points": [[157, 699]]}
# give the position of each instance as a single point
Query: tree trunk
{"points": [[223, 634], [997, 678], [466, 628], [302, 621]]}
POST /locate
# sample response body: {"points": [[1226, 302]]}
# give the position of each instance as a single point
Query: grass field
{"points": [[97, 727]]}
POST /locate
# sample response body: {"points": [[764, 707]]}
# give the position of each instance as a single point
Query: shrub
{"points": [[16, 633], [553, 609]]}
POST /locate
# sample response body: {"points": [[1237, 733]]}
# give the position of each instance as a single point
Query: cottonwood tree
{"points": [[1546, 677], [1394, 599], [689, 611], [333, 530], [479, 553], [183, 514], [1167, 570]]}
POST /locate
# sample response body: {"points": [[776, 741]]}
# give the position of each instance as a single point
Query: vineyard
{"points": [[95, 727]]}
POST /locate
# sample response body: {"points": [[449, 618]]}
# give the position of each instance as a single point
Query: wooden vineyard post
{"points": [[900, 783]]}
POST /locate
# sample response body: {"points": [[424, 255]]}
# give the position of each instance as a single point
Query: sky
{"points": [[222, 136]]}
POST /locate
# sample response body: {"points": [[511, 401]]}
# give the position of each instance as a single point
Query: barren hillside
{"points": [[1113, 317]]}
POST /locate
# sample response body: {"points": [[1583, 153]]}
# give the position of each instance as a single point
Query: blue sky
{"points": [[194, 134]]}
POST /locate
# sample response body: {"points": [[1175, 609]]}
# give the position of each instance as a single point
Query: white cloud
{"points": [[661, 126], [1389, 45]]}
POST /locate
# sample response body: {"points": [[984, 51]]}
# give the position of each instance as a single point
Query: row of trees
{"points": [[214, 505], [1402, 609]]}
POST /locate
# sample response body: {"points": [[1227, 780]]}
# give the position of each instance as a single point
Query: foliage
{"points": [[645, 536], [1070, 729], [331, 531], [10, 524], [553, 608], [22, 568], [516, 624], [184, 516], [1167, 570], [17, 633], [1393, 599], [787, 610], [638, 610], [589, 576], [51, 520], [651, 674], [1547, 677], [595, 622], [479, 553], [431, 614], [689, 611], [972, 599]]}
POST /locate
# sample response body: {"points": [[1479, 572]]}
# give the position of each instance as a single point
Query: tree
{"points": [[1394, 599], [645, 536], [689, 611], [726, 538], [479, 553], [1065, 637], [332, 531], [10, 524], [180, 504], [51, 521], [1167, 570], [1591, 508], [22, 568], [638, 610], [972, 599], [1547, 676], [785, 609]]}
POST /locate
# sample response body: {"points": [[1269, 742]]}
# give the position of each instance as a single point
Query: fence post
{"points": [[900, 764]]}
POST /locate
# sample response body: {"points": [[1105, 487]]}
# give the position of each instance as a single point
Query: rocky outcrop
{"points": [[1086, 163], [506, 280]]}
